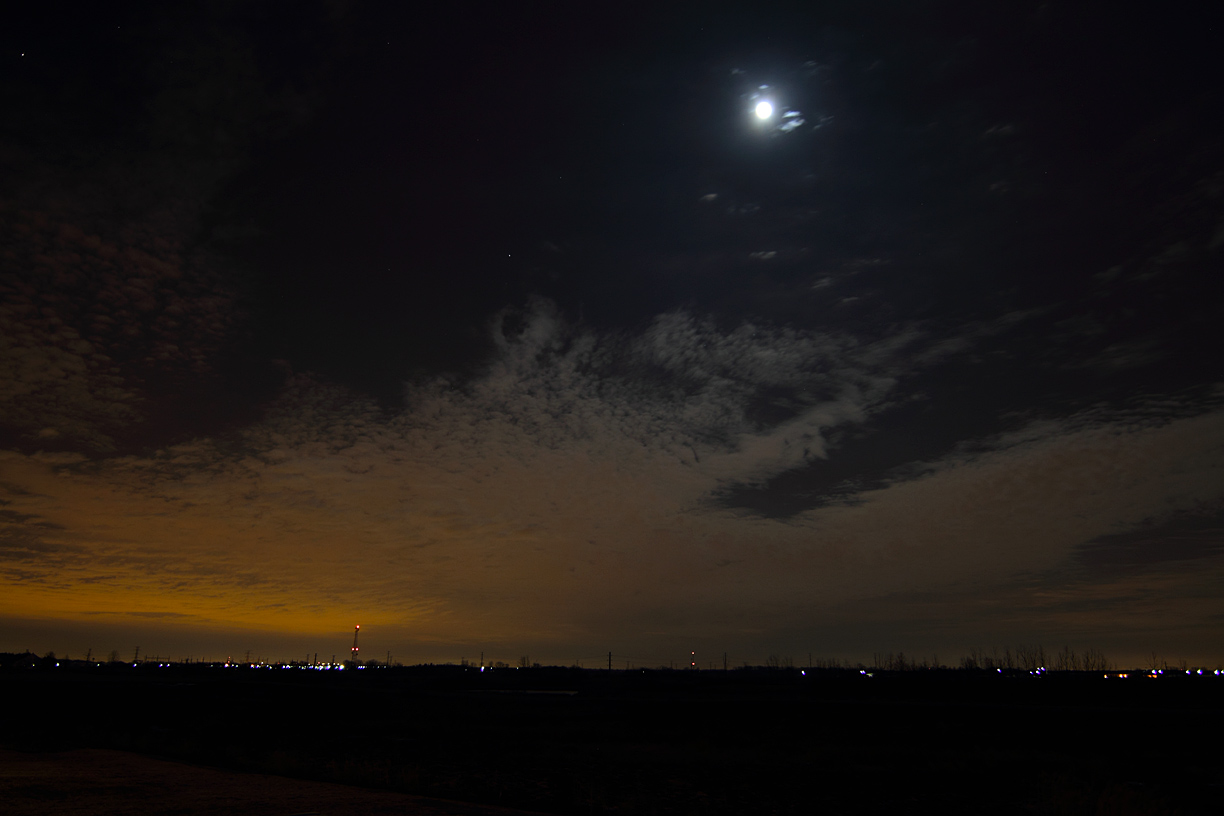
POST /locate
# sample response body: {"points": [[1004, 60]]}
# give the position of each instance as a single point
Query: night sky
{"points": [[516, 330]]}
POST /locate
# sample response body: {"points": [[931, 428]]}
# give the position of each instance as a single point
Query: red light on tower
{"points": [[693, 660], [356, 631]]}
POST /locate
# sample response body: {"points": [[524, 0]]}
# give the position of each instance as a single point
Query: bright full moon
{"points": [[764, 110]]}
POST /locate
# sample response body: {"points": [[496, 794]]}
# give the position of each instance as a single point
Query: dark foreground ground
{"points": [[93, 782], [584, 742]]}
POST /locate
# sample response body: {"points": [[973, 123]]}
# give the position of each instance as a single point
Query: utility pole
{"points": [[609, 661], [88, 652], [136, 657], [388, 658]]}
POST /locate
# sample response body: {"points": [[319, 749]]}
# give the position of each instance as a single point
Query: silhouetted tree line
{"points": [[26, 660], [887, 661], [1019, 658], [1032, 658], [1160, 664]]}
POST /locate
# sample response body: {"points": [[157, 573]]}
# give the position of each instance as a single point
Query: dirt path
{"points": [[115, 783]]}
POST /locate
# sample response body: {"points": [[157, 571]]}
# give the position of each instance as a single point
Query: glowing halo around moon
{"points": [[764, 109]]}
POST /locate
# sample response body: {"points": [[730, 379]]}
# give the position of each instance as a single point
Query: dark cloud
{"points": [[98, 330], [1178, 543], [122, 326]]}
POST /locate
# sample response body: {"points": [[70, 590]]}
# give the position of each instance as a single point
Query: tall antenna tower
{"points": [[356, 632]]}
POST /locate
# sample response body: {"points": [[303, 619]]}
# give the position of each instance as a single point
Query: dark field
{"points": [[575, 741]]}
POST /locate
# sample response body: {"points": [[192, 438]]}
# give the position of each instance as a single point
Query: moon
{"points": [[764, 110]]}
